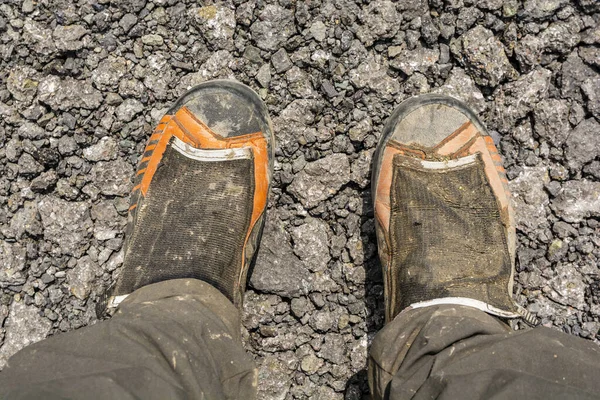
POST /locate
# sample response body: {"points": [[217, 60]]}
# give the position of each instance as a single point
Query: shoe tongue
{"points": [[447, 236]]}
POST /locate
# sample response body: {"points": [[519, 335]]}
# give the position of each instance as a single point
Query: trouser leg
{"points": [[459, 352], [174, 339]]}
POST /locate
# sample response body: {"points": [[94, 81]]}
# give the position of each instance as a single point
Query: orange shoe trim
{"points": [[384, 184], [491, 170], [457, 140]]}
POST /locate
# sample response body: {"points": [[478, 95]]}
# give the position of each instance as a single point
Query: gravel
{"points": [[84, 83]]}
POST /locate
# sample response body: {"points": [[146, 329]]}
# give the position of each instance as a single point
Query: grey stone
{"points": [[317, 299], [277, 270], [153, 39], [27, 6], [28, 165], [530, 198], [589, 6], [64, 94], [490, 4], [372, 74], [311, 364], [583, 143], [280, 60], [294, 121], [590, 55], [109, 72], [378, 20], [24, 326], [12, 258], [416, 84], [515, 100], [113, 178], [66, 224], [593, 169], [417, 60], [65, 190], [67, 38], [551, 118], [23, 83], [34, 112], [31, 130], [67, 145], [321, 179], [311, 244], [322, 321], [13, 149], [334, 349], [528, 52], [329, 89], [318, 30], [429, 30], [482, 55], [131, 88], [590, 329], [591, 89], [541, 9], [560, 37], [591, 35], [274, 378], [80, 278], [252, 54], [361, 168], [106, 149], [299, 83], [128, 21], [217, 24], [574, 73], [327, 393], [113, 99], [577, 201], [359, 131], [358, 355], [128, 109], [460, 85], [547, 309], [44, 181], [274, 26], [563, 230], [40, 36], [568, 287], [557, 250], [106, 220], [264, 75], [299, 306], [217, 66]]}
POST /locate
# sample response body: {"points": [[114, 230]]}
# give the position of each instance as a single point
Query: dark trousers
{"points": [[180, 339], [177, 339]]}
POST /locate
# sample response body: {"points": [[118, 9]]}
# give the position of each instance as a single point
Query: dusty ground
{"points": [[83, 82]]}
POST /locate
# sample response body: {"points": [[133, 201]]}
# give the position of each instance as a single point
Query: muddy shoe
{"points": [[200, 193], [444, 221]]}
